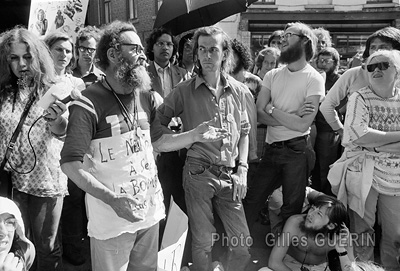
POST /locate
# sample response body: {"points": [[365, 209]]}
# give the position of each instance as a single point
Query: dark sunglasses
{"points": [[383, 66]]}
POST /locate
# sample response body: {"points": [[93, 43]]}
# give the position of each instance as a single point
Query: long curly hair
{"points": [[41, 63]]}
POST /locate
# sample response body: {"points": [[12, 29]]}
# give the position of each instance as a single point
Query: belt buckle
{"points": [[279, 144]]}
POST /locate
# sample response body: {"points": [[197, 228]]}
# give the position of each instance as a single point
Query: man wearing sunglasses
{"points": [[85, 50], [316, 241]]}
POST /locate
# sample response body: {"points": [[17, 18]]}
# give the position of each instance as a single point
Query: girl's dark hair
{"points": [[388, 34]]}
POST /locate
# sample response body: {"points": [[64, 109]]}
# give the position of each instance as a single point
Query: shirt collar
{"points": [[200, 80], [93, 69], [159, 67]]}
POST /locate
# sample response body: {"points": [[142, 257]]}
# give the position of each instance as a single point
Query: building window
{"points": [[132, 9], [378, 1], [99, 13], [269, 2], [258, 41], [107, 11]]}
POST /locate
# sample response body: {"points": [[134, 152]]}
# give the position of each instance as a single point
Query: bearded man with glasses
{"points": [[123, 195], [285, 104]]}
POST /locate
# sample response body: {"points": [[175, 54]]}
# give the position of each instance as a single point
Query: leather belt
{"points": [[281, 144], [217, 170]]}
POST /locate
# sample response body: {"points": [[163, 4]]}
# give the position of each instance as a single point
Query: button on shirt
{"points": [[165, 76], [194, 103]]}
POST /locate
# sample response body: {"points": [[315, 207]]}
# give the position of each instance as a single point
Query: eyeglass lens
{"points": [[381, 65], [164, 43], [83, 49]]}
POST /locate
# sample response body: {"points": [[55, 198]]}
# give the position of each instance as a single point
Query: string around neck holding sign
{"points": [[132, 125]]}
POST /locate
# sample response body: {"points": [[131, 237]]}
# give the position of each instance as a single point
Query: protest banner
{"points": [[67, 16]]}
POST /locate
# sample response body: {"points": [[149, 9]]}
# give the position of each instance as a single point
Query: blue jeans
{"points": [[42, 218], [285, 164], [206, 189]]}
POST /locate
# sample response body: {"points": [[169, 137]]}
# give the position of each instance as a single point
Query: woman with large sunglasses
{"points": [[387, 38], [367, 176]]}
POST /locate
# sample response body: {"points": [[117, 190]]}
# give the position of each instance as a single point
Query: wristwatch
{"points": [[344, 253], [271, 110]]}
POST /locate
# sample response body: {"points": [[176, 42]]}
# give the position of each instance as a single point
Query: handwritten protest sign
{"points": [[173, 243]]}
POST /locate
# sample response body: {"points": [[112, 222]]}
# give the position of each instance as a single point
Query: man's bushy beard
{"points": [[132, 75], [292, 53], [312, 233]]}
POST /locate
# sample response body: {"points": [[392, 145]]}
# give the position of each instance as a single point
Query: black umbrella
{"points": [[183, 15]]}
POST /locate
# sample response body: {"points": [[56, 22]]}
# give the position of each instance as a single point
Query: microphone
{"points": [[75, 95]]}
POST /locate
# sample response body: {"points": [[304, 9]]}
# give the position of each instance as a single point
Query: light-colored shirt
{"points": [[165, 77], [366, 111], [351, 81], [289, 91]]}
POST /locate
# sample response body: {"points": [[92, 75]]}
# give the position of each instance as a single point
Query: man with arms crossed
{"points": [[288, 154]]}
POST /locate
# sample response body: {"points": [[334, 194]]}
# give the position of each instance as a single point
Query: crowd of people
{"points": [[98, 133]]}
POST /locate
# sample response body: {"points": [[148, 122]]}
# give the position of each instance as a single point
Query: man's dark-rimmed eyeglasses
{"points": [[83, 49], [289, 34], [138, 49]]}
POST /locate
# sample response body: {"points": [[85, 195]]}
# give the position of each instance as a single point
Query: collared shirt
{"points": [[90, 78], [195, 103], [165, 76]]}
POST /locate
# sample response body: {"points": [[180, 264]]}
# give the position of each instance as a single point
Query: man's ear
{"points": [[112, 55]]}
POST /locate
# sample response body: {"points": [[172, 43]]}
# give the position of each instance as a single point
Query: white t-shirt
{"points": [[289, 91]]}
